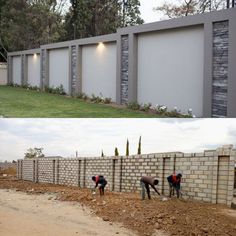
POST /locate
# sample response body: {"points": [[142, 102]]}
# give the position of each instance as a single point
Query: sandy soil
{"points": [[23, 214], [145, 218]]}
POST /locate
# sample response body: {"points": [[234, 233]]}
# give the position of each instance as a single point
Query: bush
{"points": [[133, 106], [96, 99], [161, 109], [34, 88], [58, 90], [107, 100], [145, 107]]}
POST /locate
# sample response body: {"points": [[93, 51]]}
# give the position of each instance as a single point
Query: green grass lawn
{"points": [[18, 102]]}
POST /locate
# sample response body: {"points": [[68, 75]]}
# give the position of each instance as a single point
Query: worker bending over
{"points": [[174, 183], [101, 181], [145, 181]]}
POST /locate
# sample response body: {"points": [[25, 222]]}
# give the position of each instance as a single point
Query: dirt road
{"points": [[145, 218], [41, 215]]}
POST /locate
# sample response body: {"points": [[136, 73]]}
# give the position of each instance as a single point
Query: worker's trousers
{"points": [[142, 190]]}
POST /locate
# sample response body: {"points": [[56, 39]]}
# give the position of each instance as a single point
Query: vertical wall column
{"points": [[124, 69], [19, 169], [232, 161], [214, 178], [36, 175], [24, 70], [56, 171], [132, 72], [74, 70], [79, 80], [223, 175], [207, 82], [127, 68], [231, 112], [79, 173], [44, 68], [9, 70], [83, 174], [220, 68]]}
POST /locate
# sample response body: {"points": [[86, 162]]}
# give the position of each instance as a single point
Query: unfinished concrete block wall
{"points": [[207, 176], [45, 171], [28, 170], [134, 167], [98, 166], [68, 172]]}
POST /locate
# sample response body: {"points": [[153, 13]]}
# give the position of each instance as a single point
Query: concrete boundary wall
{"points": [[3, 74], [207, 176], [218, 73]]}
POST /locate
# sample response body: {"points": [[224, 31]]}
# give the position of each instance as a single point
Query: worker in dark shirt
{"points": [[101, 181], [145, 182], [174, 183]]}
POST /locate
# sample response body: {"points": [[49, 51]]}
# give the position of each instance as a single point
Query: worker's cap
{"points": [[179, 175], [93, 178]]}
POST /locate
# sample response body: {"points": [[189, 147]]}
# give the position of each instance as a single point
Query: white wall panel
{"points": [[170, 69], [99, 70], [34, 70], [59, 68], [3, 74], [16, 70]]}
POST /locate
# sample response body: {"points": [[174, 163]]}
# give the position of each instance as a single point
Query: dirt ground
{"points": [[39, 215], [148, 217]]}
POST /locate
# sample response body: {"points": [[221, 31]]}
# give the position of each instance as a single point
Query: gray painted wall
{"points": [[170, 69], [188, 72], [3, 73], [33, 70], [16, 70], [99, 70], [59, 68]]}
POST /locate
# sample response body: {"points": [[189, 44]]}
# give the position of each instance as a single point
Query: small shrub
{"points": [[133, 106], [34, 88], [25, 86], [161, 109], [96, 99], [145, 107], [107, 100], [10, 84], [58, 90]]}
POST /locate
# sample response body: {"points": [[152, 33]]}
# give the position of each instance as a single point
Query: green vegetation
{"points": [[139, 146], [19, 102], [29, 24]]}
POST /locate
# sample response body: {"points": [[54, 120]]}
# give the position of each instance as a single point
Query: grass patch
{"points": [[22, 103]]}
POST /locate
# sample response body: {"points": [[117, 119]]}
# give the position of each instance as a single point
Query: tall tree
{"points": [[189, 7], [96, 17], [127, 148], [102, 155], [139, 146], [130, 13], [116, 152], [34, 153], [27, 24]]}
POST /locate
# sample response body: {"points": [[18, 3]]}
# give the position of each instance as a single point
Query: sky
{"points": [[89, 136], [146, 9]]}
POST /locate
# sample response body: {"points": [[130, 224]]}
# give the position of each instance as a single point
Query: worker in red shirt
{"points": [[174, 183], [145, 182], [101, 181]]}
